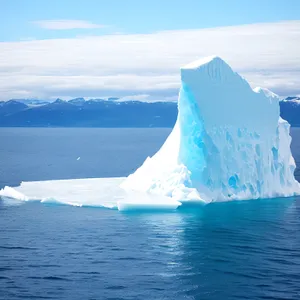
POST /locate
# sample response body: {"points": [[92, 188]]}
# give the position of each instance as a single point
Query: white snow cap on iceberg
{"points": [[202, 61], [228, 143], [267, 93]]}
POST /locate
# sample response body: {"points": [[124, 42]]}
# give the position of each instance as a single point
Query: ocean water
{"points": [[234, 250]]}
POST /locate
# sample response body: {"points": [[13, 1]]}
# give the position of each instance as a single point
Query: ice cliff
{"points": [[228, 143]]}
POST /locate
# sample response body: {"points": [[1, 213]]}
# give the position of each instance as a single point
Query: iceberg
{"points": [[228, 143]]}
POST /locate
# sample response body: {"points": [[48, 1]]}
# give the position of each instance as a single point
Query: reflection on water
{"points": [[242, 250]]}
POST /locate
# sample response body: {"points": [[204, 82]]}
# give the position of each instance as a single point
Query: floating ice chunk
{"points": [[139, 206], [147, 202]]}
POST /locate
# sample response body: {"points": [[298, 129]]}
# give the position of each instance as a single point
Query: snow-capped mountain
{"points": [[79, 112], [31, 101], [111, 112]]}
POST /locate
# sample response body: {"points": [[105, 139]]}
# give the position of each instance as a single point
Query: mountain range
{"points": [[87, 113], [112, 112]]}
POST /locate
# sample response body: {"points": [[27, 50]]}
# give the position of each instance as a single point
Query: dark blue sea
{"points": [[234, 250]]}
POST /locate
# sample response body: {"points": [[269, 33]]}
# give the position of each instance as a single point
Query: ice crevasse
{"points": [[228, 143]]}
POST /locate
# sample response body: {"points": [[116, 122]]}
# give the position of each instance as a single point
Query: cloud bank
{"points": [[120, 65], [66, 24]]}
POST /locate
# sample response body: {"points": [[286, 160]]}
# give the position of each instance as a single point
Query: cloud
{"points": [[120, 65], [67, 24]]}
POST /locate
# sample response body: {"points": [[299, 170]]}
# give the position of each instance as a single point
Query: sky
{"points": [[134, 49]]}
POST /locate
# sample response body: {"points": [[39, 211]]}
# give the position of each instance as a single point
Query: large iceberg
{"points": [[228, 143]]}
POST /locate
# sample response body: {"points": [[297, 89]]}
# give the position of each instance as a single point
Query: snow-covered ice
{"points": [[229, 143], [88, 192]]}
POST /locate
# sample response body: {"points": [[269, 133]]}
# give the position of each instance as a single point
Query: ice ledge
{"points": [[269, 94]]}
